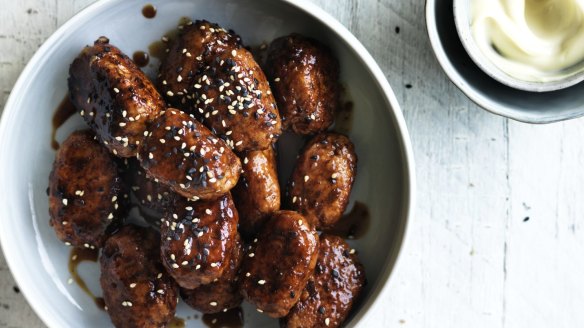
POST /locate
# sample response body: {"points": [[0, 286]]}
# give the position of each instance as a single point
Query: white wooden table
{"points": [[497, 240]]}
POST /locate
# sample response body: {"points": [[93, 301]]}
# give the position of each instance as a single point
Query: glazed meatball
{"points": [[209, 74], [321, 182], [279, 263], [153, 197], [136, 289], [304, 76], [257, 194], [183, 154], [86, 191], [198, 240], [329, 295], [220, 295], [113, 96]]}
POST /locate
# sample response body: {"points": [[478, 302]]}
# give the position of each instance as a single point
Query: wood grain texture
{"points": [[498, 232]]}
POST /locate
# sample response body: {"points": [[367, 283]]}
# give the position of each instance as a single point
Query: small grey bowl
{"points": [[463, 19], [492, 95]]}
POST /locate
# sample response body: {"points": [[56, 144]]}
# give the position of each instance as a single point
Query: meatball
{"points": [[153, 197], [220, 295], [279, 263], [329, 295], [136, 289], [86, 191], [209, 74], [198, 240], [323, 177], [113, 96], [183, 154], [304, 76], [257, 194]]}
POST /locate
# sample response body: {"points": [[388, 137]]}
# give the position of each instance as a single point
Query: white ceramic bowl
{"points": [[463, 19], [385, 180], [498, 98]]}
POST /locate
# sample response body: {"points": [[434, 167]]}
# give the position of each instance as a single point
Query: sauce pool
{"points": [[63, 112], [232, 318], [354, 224]]}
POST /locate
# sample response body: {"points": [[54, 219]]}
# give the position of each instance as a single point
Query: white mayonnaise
{"points": [[531, 40]]}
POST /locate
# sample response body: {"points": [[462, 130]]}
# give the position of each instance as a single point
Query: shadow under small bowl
{"points": [[486, 91]]}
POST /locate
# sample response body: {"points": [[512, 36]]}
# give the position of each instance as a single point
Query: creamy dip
{"points": [[531, 40]]}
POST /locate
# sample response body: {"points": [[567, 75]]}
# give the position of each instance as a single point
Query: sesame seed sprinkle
{"points": [[306, 177], [132, 285], [116, 90], [213, 303], [65, 201], [261, 282], [327, 321]]}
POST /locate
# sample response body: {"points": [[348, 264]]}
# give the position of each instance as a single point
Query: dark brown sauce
{"points": [[157, 49], [141, 58], [230, 319], [62, 113], [149, 11], [77, 256], [353, 225], [344, 118], [176, 322]]}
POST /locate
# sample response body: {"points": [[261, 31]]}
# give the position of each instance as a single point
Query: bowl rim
{"points": [[477, 98], [463, 22], [308, 8]]}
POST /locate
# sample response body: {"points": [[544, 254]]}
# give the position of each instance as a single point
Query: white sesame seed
{"points": [[160, 291], [179, 78], [261, 282], [198, 267], [233, 53], [150, 155], [116, 90], [184, 263], [169, 93], [306, 177], [208, 211], [110, 216], [260, 310], [70, 281], [65, 201], [132, 285], [294, 199], [277, 79], [175, 266], [334, 175], [251, 255], [352, 251], [172, 257], [248, 274], [300, 222], [122, 124], [213, 303], [159, 275]]}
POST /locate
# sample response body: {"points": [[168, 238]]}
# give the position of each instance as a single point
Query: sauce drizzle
{"points": [[77, 256], [149, 11], [141, 58], [62, 113]]}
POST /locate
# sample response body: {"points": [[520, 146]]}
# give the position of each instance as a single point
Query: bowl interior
{"points": [[525, 106], [463, 21], [39, 262]]}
